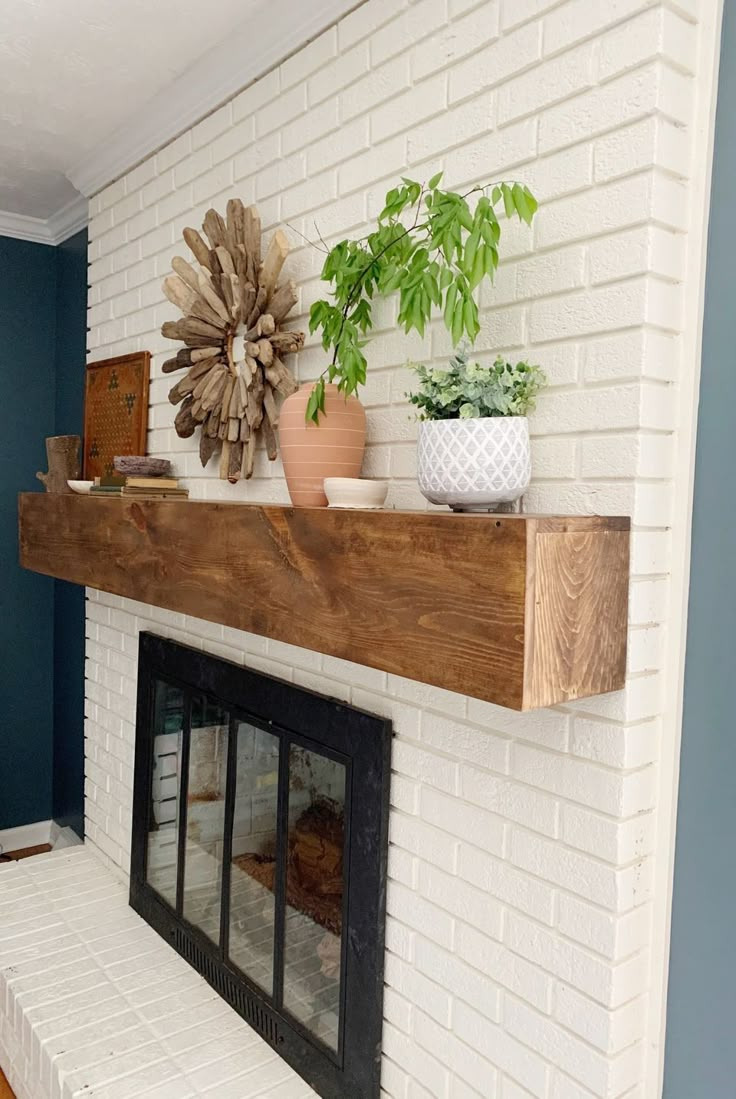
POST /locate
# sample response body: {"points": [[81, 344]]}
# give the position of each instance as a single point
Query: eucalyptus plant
{"points": [[431, 248], [465, 390]]}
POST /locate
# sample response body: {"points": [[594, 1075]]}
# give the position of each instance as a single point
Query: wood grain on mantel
{"points": [[523, 611]]}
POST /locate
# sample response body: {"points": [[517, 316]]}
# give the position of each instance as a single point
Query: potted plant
{"points": [[474, 435], [432, 248]]}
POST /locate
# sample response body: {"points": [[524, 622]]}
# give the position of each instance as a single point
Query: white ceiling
{"points": [[79, 77]]}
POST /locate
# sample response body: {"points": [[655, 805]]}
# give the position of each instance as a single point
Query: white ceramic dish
{"points": [[80, 486], [354, 492]]}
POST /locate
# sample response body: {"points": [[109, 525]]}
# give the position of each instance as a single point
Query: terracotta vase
{"points": [[310, 452]]}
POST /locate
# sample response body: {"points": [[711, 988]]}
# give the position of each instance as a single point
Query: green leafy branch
{"points": [[437, 260]]}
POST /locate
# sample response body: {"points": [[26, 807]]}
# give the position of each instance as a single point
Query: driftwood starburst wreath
{"points": [[233, 306]]}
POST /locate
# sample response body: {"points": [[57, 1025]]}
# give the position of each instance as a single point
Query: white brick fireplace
{"points": [[530, 854]]}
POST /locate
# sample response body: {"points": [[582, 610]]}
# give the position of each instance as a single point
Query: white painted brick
{"points": [[515, 12], [504, 150], [426, 767], [331, 150], [546, 84], [466, 822], [318, 121], [495, 63], [464, 1061], [309, 59], [626, 99], [506, 883], [608, 839], [260, 92], [635, 252], [510, 1056], [280, 110], [460, 899], [528, 982], [435, 1000], [510, 799], [628, 304], [420, 18], [421, 1066], [212, 126], [437, 847], [340, 72], [379, 161], [547, 727], [465, 123], [466, 742], [479, 27], [610, 1032], [629, 45], [596, 211], [409, 108], [580, 19], [562, 775], [558, 1046], [572, 871], [175, 151], [552, 857]]}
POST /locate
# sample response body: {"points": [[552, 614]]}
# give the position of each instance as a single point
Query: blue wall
{"points": [[27, 416], [700, 1061], [42, 352], [71, 347]]}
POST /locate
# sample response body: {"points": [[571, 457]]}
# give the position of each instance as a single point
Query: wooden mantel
{"points": [[524, 611]]}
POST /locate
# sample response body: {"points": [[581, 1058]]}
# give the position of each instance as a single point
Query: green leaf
{"points": [[464, 216], [471, 248], [450, 300], [458, 320], [521, 204], [508, 201], [531, 201], [316, 402], [470, 317], [434, 181], [316, 314], [479, 268]]}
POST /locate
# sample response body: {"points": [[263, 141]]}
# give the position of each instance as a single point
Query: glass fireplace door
{"points": [[259, 853], [204, 833], [254, 852], [273, 809], [287, 876]]}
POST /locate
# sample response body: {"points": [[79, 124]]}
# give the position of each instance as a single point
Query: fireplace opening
{"points": [[259, 851]]}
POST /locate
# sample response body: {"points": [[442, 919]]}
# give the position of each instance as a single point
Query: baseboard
{"points": [[63, 836], [27, 835]]}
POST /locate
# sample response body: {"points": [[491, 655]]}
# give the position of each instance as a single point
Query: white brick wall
{"points": [[522, 846]]}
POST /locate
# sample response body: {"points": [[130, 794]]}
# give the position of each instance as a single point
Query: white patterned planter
{"points": [[474, 465]]}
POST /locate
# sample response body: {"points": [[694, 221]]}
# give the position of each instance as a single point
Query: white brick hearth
{"points": [[527, 912], [96, 1005]]}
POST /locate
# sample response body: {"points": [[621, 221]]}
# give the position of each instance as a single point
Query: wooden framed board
{"points": [[115, 411]]}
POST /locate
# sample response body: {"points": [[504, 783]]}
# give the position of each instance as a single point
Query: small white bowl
{"points": [[80, 486], [354, 492]]}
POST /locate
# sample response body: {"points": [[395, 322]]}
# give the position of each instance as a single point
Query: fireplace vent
{"points": [[260, 814], [228, 987]]}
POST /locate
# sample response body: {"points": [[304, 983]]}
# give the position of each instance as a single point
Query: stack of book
{"points": [[139, 488]]}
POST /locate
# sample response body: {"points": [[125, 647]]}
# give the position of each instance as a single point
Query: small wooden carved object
{"points": [[62, 455], [234, 307]]}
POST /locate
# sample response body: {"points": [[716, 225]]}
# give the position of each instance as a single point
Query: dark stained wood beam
{"points": [[523, 611]]}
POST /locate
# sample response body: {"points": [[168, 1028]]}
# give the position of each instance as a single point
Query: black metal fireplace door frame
{"points": [[361, 741]]}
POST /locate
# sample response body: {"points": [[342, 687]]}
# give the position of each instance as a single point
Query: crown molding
{"points": [[52, 230], [215, 78], [69, 219]]}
